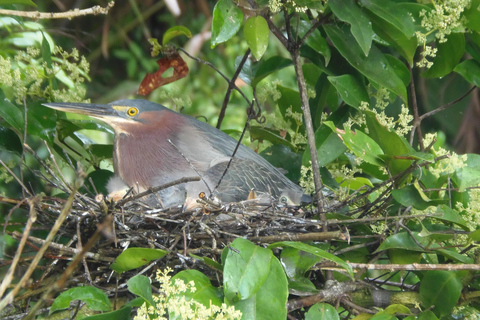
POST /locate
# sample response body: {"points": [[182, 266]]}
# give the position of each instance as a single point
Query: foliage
{"points": [[359, 78]]}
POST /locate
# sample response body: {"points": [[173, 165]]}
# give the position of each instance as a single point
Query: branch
{"points": [[58, 15], [445, 106]]}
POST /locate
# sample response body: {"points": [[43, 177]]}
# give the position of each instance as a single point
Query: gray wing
{"points": [[244, 175]]}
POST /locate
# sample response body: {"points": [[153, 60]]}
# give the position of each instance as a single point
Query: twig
{"points": [[417, 119], [59, 15], [155, 189], [445, 106], [217, 70], [231, 86], [60, 283], [58, 223], [31, 220], [16, 178]]}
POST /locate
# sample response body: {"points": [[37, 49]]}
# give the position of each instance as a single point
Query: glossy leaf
{"points": [[375, 66], [204, 293], [141, 286], [270, 301], [440, 289], [283, 157], [296, 263], [329, 145], [469, 175], [409, 196], [10, 141], [123, 313], [350, 89], [95, 299], [360, 25], [393, 13], [265, 68], [322, 311], [315, 251], [256, 35], [452, 216], [11, 114], [360, 144], [245, 270], [133, 258], [403, 240], [406, 45], [226, 22], [470, 70], [315, 40], [448, 56], [22, 2], [391, 143], [175, 32]]}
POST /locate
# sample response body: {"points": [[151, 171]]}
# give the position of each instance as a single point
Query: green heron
{"points": [[154, 145]]}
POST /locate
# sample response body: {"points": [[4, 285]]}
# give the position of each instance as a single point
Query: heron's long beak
{"points": [[99, 111]]}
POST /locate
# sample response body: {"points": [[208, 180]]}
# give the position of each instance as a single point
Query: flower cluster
{"points": [[445, 166], [171, 300], [276, 6], [29, 76], [445, 18]]}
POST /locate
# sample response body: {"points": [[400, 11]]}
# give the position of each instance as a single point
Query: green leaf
{"points": [[123, 313], [361, 28], [133, 258], [329, 145], [22, 2], [270, 301], [256, 35], [448, 56], [403, 240], [322, 311], [452, 216], [469, 175], [204, 293], [281, 156], [289, 98], [175, 32], [360, 144], [315, 251], [10, 141], [315, 40], [11, 114], [47, 57], [406, 45], [395, 14], [470, 70], [471, 14], [245, 269], [350, 89], [409, 196], [209, 262], [226, 22], [391, 143], [375, 67], [440, 289], [141, 286], [265, 68], [296, 263], [95, 299], [263, 133]]}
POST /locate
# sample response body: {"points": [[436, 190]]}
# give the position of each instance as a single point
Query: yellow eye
{"points": [[132, 112]]}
